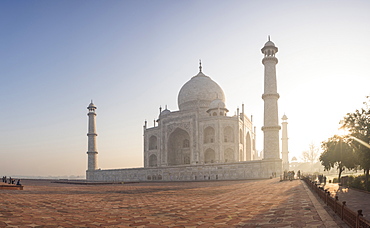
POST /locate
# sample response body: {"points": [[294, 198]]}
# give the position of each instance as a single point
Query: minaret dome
{"points": [[269, 50]]}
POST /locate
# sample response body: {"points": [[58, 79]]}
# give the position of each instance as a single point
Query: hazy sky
{"points": [[130, 57]]}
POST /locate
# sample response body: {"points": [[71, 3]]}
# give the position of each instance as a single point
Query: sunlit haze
{"points": [[131, 57]]}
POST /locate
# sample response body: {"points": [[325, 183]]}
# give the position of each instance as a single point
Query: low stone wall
{"points": [[10, 187], [259, 169]]}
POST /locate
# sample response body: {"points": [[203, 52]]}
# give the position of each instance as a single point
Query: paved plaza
{"points": [[248, 203]]}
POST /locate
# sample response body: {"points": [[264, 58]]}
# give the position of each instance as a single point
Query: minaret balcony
{"points": [[270, 95], [270, 59], [271, 128]]}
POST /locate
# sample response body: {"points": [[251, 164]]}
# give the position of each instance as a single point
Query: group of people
{"points": [[11, 180], [290, 175]]}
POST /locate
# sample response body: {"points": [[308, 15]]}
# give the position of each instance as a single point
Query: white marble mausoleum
{"points": [[200, 141]]}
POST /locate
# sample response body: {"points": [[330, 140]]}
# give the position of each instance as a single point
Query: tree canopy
{"points": [[358, 125], [338, 152]]}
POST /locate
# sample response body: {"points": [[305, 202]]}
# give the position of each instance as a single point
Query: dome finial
{"points": [[269, 38], [200, 65]]}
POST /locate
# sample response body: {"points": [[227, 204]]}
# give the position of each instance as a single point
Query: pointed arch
{"points": [[153, 142], [209, 156], [209, 135], [153, 162], [228, 134], [248, 147], [178, 154], [229, 155], [186, 143]]}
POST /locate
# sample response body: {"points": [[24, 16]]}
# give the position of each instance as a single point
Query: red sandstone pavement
{"points": [[249, 203]]}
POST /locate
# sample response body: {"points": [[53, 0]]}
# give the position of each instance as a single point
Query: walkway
{"points": [[258, 203], [355, 199]]}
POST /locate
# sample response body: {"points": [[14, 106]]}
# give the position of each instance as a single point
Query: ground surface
{"points": [[355, 199], [259, 203]]}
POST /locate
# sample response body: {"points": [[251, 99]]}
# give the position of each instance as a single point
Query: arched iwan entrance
{"points": [[178, 148]]}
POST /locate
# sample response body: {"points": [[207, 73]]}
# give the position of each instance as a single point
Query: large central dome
{"points": [[199, 91]]}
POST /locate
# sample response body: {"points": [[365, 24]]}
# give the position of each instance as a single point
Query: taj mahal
{"points": [[200, 141]]}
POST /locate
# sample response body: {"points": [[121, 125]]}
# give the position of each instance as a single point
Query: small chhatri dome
{"points": [[269, 49], [217, 104], [199, 91], [269, 43], [91, 105], [284, 117], [164, 112]]}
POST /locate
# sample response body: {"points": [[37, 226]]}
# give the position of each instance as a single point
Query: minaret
{"points": [[92, 163], [284, 143], [270, 97]]}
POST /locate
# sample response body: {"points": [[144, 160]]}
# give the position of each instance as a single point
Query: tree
{"points": [[358, 125], [304, 156], [338, 152], [311, 154]]}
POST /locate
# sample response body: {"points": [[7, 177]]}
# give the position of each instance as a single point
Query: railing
{"points": [[351, 218]]}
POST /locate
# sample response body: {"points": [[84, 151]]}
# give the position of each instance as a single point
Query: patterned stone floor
{"points": [[252, 203]]}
